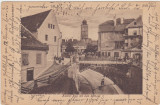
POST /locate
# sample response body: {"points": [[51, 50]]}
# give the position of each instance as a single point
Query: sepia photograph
{"points": [[82, 53]]}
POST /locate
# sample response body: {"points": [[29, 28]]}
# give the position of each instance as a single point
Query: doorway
{"points": [[30, 74]]}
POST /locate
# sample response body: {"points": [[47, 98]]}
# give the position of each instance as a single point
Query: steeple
{"points": [[84, 30]]}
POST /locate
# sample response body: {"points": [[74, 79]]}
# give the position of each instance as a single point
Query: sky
{"points": [[70, 25]]}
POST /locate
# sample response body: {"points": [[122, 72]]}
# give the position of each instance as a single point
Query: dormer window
{"points": [[135, 23]]}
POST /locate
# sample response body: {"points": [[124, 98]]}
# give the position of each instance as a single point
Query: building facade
{"points": [[44, 27], [133, 39], [34, 56], [110, 39], [84, 30]]}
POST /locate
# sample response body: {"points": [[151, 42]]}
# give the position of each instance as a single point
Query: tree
{"points": [[70, 47], [91, 48]]}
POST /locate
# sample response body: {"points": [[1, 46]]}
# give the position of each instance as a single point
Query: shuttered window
{"points": [[38, 58], [46, 37], [25, 59], [55, 38], [48, 25]]}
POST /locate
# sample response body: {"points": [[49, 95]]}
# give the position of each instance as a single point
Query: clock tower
{"points": [[84, 30]]}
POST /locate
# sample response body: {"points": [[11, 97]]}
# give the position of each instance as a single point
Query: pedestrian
{"points": [[102, 82]]}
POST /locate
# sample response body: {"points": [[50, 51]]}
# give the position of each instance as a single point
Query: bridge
{"points": [[102, 62]]}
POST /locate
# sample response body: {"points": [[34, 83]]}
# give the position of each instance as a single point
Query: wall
{"points": [[107, 40], [54, 47], [38, 68], [133, 40], [84, 31], [131, 31]]}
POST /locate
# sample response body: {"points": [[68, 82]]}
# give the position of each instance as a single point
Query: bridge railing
{"points": [[45, 80]]}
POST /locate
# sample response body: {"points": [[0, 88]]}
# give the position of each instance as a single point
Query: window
{"points": [[109, 53], [55, 38], [116, 54], [126, 31], [126, 55], [49, 25], [46, 37], [102, 53], [38, 58], [53, 26], [118, 44], [25, 59], [135, 23], [126, 44], [135, 33]]}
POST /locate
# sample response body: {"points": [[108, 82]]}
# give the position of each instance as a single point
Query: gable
{"points": [[33, 22], [28, 42], [138, 22]]}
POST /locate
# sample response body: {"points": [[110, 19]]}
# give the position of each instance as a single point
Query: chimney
{"points": [[114, 19], [115, 22], [122, 20]]}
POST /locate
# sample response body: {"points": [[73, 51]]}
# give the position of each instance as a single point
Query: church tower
{"points": [[84, 30]]}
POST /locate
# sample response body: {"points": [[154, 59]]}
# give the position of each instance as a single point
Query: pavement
{"points": [[93, 79]]}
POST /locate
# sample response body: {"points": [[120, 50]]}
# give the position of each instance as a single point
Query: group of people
{"points": [[58, 60]]}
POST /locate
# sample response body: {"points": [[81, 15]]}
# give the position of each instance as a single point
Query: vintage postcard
{"points": [[80, 53]]}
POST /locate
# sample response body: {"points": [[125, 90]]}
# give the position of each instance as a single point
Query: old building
{"points": [[80, 46], [34, 56], [84, 30], [133, 39], [111, 40], [45, 29]]}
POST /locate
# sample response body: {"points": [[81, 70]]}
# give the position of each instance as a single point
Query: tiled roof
{"points": [[109, 22], [108, 26], [128, 21], [136, 23], [33, 22], [29, 42]]}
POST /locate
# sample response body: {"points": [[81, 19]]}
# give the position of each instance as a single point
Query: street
{"points": [[94, 78]]}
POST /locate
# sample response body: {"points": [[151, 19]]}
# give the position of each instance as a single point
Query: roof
{"points": [[84, 22], [136, 23], [33, 22], [29, 42], [108, 26], [109, 22]]}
